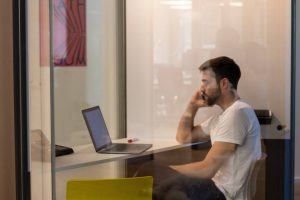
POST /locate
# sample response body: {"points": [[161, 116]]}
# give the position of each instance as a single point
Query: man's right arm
{"points": [[186, 131]]}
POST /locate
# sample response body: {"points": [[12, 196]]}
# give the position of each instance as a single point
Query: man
{"points": [[234, 134]]}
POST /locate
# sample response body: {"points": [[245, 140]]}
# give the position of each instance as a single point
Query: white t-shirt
{"points": [[238, 124]]}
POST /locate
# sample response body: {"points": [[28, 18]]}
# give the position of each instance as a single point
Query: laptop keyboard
{"points": [[119, 147]]}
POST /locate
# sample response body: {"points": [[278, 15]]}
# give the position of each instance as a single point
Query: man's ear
{"points": [[224, 84]]}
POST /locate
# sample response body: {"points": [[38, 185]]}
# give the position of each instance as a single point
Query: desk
{"points": [[85, 155]]}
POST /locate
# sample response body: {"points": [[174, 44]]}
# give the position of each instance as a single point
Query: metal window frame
{"points": [[20, 73], [290, 185]]}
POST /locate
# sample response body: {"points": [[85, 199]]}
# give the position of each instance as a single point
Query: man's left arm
{"points": [[217, 155]]}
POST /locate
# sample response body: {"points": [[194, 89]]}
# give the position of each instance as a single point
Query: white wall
{"points": [[7, 146], [167, 43], [77, 88], [139, 53]]}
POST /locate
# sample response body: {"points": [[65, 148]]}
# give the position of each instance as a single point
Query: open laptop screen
{"points": [[97, 128]]}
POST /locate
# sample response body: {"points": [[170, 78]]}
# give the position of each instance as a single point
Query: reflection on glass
{"points": [[182, 39]]}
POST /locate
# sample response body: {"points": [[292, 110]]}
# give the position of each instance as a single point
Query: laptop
{"points": [[100, 136]]}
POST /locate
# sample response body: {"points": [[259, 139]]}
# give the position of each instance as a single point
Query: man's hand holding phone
{"points": [[198, 100]]}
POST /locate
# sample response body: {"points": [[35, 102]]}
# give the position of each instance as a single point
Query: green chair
{"points": [[137, 188]]}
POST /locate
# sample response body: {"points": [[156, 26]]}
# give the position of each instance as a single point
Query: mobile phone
{"points": [[202, 96]]}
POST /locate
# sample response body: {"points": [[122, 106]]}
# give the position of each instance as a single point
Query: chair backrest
{"points": [[138, 188], [251, 190]]}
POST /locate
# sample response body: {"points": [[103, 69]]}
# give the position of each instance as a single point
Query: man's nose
{"points": [[202, 92], [202, 88]]}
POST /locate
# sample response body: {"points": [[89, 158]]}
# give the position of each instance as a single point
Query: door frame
{"points": [[20, 78]]}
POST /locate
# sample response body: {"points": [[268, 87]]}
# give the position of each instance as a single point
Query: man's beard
{"points": [[213, 98]]}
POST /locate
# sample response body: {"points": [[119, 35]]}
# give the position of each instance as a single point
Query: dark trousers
{"points": [[171, 185]]}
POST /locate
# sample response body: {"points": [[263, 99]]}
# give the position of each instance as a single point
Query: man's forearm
{"points": [[217, 155], [196, 169], [186, 124]]}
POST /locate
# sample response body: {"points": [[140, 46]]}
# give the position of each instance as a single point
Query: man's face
{"points": [[210, 90]]}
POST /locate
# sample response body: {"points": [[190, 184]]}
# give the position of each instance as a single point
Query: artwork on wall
{"points": [[69, 33]]}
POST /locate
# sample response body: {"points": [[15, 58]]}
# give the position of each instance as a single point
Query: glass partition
{"points": [[85, 67], [87, 72], [39, 87], [77, 60], [167, 40]]}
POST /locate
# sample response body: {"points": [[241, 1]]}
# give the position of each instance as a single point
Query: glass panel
{"points": [[172, 38], [166, 40], [85, 74], [39, 99]]}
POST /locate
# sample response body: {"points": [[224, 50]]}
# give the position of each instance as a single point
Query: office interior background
{"points": [[141, 64]]}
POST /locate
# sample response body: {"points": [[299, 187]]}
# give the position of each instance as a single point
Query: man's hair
{"points": [[223, 67]]}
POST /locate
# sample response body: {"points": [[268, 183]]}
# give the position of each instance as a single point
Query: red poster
{"points": [[69, 32]]}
